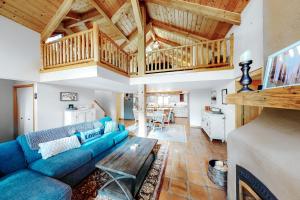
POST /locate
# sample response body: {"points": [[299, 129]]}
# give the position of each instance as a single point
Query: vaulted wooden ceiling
{"points": [[170, 22]]}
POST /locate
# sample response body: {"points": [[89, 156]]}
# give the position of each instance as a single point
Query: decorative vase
{"points": [[245, 79]]}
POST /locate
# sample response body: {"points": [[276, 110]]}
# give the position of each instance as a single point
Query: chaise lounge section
{"points": [[25, 175]]}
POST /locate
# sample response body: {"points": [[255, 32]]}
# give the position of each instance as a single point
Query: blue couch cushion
{"points": [[26, 184], [30, 155], [99, 145], [62, 164], [105, 119], [11, 157], [120, 137]]}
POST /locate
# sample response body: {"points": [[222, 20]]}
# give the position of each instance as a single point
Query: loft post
{"points": [[96, 41]]}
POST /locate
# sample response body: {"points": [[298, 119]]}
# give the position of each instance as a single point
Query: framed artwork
{"points": [[283, 68], [68, 96], [224, 94], [213, 97]]}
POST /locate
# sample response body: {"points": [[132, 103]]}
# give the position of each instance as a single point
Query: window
{"points": [[163, 101]]}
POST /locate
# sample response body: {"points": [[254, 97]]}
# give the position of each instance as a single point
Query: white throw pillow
{"points": [[52, 148], [111, 126]]}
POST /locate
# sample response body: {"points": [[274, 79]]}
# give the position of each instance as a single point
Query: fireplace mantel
{"points": [[269, 148], [284, 97]]}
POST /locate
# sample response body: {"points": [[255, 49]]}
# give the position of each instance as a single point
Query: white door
{"points": [[25, 109]]}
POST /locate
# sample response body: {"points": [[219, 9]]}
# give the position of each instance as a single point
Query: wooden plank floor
{"points": [[186, 173]]}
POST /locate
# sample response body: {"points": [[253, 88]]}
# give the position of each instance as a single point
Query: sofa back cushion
{"points": [[105, 119], [11, 157], [30, 155]]}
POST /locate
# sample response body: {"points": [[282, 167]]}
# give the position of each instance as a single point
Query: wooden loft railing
{"points": [[210, 54], [90, 47], [94, 47]]}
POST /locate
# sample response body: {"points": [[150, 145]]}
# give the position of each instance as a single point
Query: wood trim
{"points": [[198, 9], [249, 189], [167, 42], [112, 68], [15, 107], [59, 15]]}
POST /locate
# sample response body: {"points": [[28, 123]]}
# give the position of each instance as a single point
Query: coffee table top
{"points": [[129, 158]]}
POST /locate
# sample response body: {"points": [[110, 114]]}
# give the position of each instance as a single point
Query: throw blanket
{"points": [[35, 138]]}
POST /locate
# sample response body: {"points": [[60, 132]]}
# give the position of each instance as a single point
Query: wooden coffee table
{"points": [[128, 165]]}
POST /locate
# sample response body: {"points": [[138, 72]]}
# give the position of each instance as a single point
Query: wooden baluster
{"points": [[63, 51], [213, 52], [218, 52], [72, 49], [83, 56], [75, 48], [181, 49], [231, 49], [207, 53], [186, 57], [202, 53], [87, 46], [224, 51]]}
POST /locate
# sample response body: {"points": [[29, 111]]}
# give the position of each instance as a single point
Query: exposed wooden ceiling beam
{"points": [[198, 9], [73, 15], [60, 28], [85, 17], [59, 15], [167, 42], [121, 11], [134, 35], [177, 31], [107, 18], [137, 15]]}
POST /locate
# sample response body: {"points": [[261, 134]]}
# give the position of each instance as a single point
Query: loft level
{"points": [[93, 47]]}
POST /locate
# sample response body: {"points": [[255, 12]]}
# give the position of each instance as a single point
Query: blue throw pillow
{"points": [[90, 135]]}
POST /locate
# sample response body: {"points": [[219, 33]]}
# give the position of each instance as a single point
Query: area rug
{"points": [[171, 133], [150, 189]]}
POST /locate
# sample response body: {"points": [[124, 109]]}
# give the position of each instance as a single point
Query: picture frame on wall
{"points": [[283, 68], [224, 93], [68, 96]]}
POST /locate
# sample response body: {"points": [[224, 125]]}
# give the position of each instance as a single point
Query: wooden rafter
{"points": [[85, 17], [56, 19], [198, 9], [167, 42], [177, 31], [134, 35], [73, 15], [137, 15], [121, 11], [107, 18]]}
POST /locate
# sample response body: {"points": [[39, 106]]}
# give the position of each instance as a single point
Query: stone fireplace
{"points": [[264, 157]]}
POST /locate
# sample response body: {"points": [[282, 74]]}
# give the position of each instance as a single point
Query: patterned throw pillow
{"points": [[90, 135], [54, 147], [111, 126]]}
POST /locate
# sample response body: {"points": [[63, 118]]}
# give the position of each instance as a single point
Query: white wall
{"points": [[108, 101], [281, 24], [249, 35], [6, 110], [229, 109], [197, 100], [19, 51], [50, 110]]}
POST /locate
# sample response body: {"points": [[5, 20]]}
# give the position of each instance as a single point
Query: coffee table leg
{"points": [[125, 190]]}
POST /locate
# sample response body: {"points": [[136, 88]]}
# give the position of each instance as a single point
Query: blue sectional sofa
{"points": [[25, 175]]}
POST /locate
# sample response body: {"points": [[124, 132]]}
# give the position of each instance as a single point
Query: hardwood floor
{"points": [[186, 173]]}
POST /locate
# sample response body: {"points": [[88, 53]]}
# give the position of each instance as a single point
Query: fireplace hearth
{"points": [[248, 187]]}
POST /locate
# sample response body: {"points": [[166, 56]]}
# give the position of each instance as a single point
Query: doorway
{"points": [[23, 109]]}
